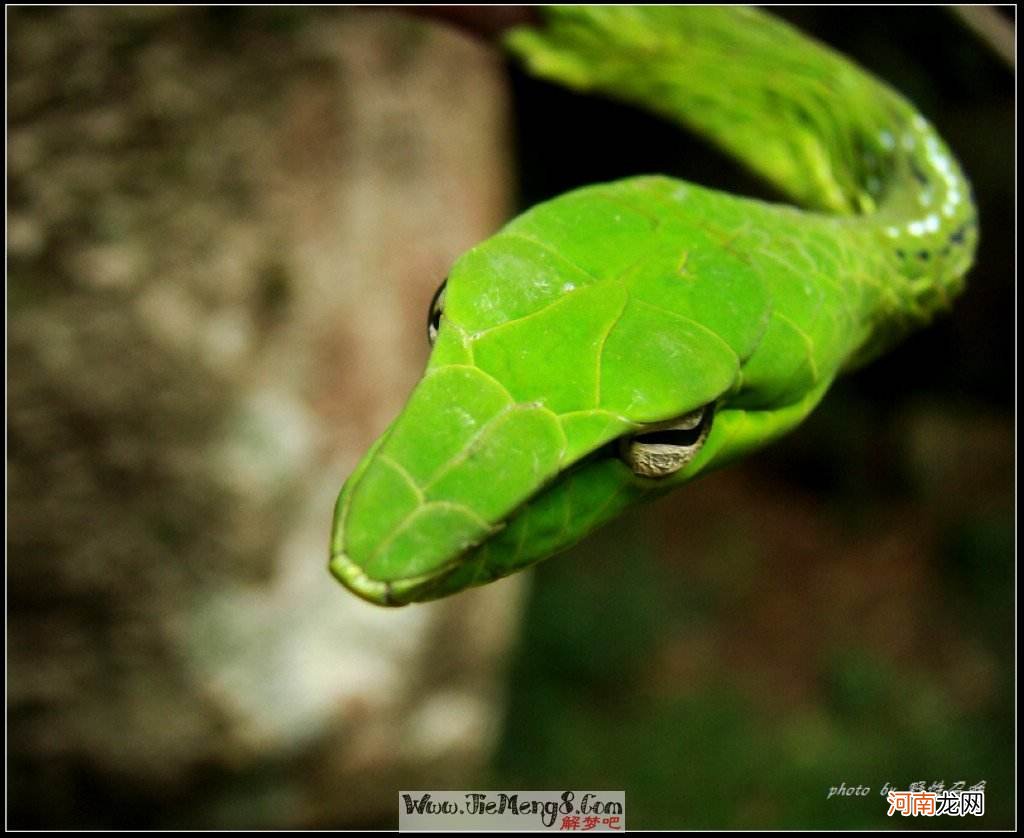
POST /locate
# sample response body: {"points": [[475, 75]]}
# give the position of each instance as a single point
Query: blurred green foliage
{"points": [[589, 709]]}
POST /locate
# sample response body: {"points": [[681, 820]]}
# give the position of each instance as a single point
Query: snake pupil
{"points": [[435, 311], [681, 437]]}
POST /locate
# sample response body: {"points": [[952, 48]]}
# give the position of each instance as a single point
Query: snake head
{"points": [[586, 358]]}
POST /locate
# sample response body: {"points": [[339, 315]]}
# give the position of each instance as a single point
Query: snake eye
{"points": [[436, 310], [666, 448]]}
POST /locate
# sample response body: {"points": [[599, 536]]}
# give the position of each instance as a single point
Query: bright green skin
{"points": [[617, 306]]}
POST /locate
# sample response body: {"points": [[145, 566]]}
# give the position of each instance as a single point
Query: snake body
{"points": [[611, 344]]}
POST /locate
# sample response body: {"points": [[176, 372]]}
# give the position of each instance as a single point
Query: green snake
{"points": [[610, 345]]}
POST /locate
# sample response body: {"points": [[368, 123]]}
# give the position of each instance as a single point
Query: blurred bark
{"points": [[997, 32], [225, 226], [482, 21]]}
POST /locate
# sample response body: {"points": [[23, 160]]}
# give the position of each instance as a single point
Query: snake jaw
{"points": [[353, 577], [392, 593]]}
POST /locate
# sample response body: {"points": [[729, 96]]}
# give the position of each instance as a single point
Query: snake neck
{"points": [[926, 229], [830, 136]]}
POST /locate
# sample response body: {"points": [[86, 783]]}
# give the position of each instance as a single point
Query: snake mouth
{"points": [[471, 567]]}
